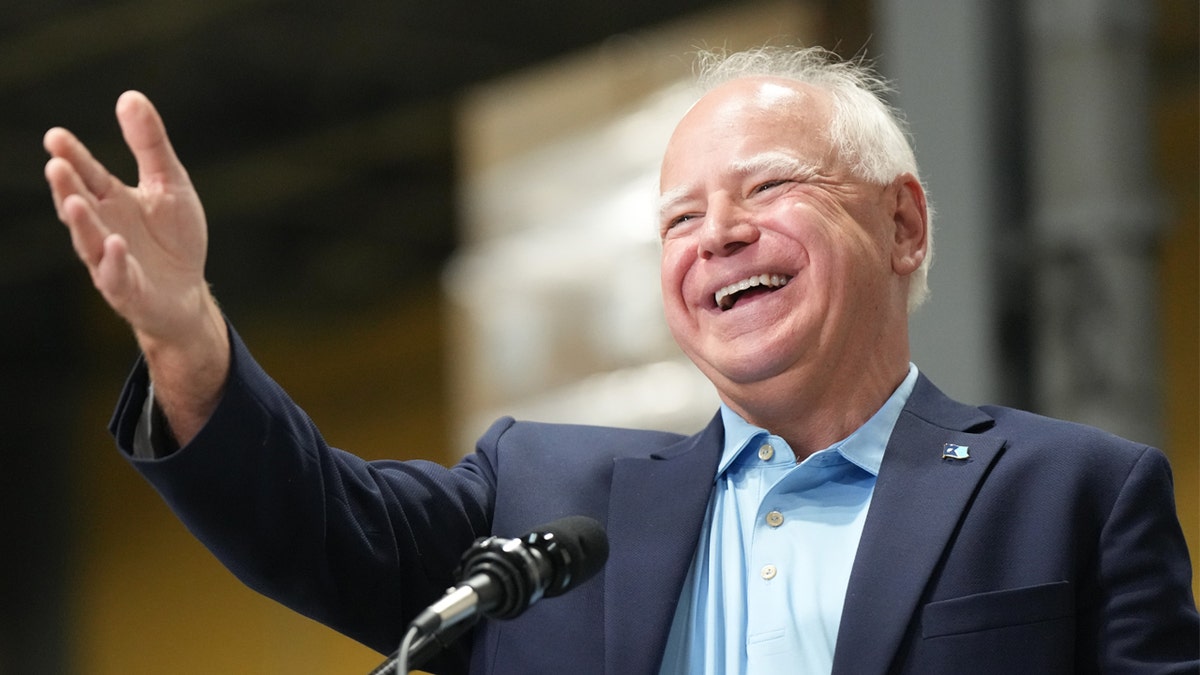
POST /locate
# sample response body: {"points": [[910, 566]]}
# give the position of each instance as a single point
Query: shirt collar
{"points": [[864, 447]]}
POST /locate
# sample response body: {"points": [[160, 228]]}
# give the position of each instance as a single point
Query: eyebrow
{"points": [[771, 161], [668, 199]]}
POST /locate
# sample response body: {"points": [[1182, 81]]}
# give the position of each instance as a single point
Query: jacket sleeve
{"points": [[359, 546], [1145, 616]]}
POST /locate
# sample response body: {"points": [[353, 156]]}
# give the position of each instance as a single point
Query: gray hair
{"points": [[871, 135]]}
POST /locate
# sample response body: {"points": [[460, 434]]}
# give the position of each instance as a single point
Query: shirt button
{"points": [[768, 572], [766, 452], [774, 519]]}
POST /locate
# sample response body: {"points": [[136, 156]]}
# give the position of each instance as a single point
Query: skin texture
{"points": [[752, 185], [145, 247]]}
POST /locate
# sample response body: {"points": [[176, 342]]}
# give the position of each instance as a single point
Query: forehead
{"points": [[748, 117]]}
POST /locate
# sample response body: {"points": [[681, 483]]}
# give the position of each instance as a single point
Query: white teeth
{"points": [[725, 297]]}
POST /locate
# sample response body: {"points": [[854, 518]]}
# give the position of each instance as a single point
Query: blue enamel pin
{"points": [[955, 451]]}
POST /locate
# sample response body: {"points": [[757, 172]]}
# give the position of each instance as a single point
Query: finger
{"points": [[113, 276], [147, 137], [64, 181], [63, 144], [87, 232]]}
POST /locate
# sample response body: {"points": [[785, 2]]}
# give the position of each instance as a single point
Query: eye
{"points": [[678, 220], [768, 185]]}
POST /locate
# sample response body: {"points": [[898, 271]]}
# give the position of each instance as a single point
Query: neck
{"points": [[812, 410]]}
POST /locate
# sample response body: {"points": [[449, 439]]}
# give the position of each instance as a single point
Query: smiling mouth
{"points": [[728, 296]]}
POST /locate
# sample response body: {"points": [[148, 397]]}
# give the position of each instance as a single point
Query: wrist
{"points": [[189, 371]]}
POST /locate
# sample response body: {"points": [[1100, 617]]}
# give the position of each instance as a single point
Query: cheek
{"points": [[844, 238], [674, 279], [676, 262]]}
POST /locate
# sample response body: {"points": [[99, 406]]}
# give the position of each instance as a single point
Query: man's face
{"points": [[775, 258]]}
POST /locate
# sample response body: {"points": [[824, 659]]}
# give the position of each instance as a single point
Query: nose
{"points": [[727, 229]]}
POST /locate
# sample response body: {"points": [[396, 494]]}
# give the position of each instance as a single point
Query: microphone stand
{"points": [[417, 648]]}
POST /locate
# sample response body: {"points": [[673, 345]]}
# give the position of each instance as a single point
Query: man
{"points": [[839, 514]]}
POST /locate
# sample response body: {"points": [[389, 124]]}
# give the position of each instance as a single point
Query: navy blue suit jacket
{"points": [[1052, 548]]}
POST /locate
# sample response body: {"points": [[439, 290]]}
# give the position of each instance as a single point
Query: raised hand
{"points": [[145, 248]]}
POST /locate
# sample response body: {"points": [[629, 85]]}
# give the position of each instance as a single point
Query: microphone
{"points": [[502, 577]]}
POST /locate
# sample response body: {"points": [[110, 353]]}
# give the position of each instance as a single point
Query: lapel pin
{"points": [[955, 451]]}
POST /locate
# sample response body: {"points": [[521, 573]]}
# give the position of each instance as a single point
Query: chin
{"points": [[741, 369]]}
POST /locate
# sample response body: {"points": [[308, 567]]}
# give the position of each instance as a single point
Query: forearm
{"points": [[189, 375], [358, 546]]}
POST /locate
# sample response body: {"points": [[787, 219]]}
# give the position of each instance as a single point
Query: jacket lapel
{"points": [[918, 500], [656, 509]]}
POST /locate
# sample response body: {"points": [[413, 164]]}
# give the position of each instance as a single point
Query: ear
{"points": [[910, 219]]}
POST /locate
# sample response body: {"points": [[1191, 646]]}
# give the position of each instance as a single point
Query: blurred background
{"points": [[426, 214]]}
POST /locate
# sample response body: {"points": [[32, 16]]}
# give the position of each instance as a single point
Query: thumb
{"points": [[146, 137]]}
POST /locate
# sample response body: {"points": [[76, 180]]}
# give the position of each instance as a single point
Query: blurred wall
{"points": [[1176, 118]]}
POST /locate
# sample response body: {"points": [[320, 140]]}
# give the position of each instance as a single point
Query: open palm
{"points": [[144, 245]]}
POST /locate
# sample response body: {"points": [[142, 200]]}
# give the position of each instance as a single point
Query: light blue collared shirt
{"points": [[765, 590]]}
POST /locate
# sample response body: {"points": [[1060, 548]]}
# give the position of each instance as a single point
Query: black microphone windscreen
{"points": [[580, 545]]}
